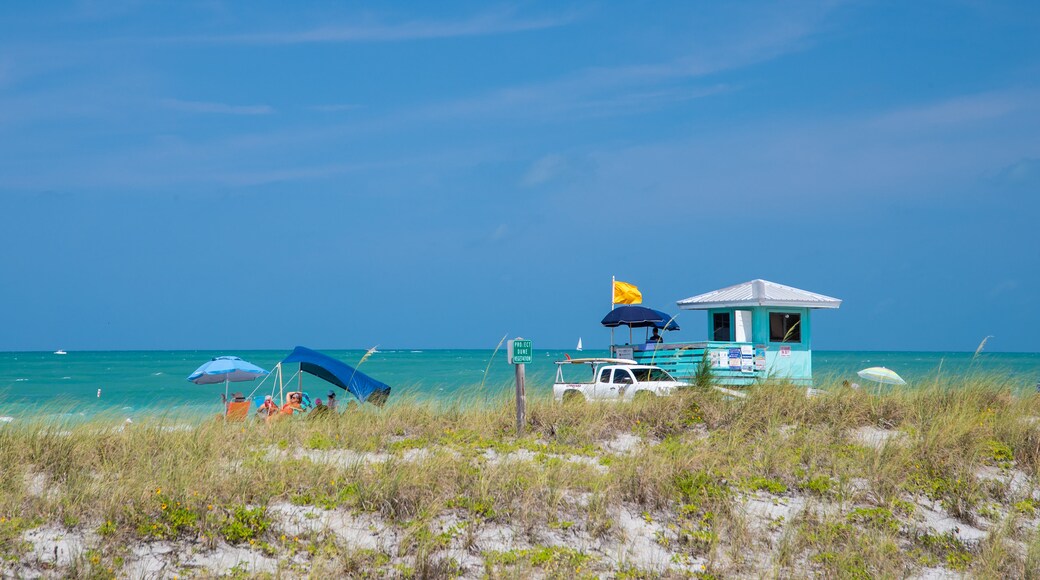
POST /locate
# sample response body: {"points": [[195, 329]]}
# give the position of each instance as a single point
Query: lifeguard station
{"points": [[756, 329]]}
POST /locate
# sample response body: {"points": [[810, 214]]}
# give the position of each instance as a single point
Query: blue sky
{"points": [[251, 175]]}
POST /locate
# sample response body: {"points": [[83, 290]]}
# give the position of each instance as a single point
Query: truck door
{"points": [[618, 385], [602, 384]]}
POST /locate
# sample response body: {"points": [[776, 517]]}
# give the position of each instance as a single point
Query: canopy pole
{"points": [[299, 381], [257, 388], [281, 387]]}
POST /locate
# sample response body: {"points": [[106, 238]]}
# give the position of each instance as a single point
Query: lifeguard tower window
{"points": [[723, 328], [785, 327]]}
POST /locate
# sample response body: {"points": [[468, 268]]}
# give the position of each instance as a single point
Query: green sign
{"points": [[519, 351]]}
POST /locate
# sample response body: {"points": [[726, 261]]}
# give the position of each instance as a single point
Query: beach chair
{"points": [[237, 411]]}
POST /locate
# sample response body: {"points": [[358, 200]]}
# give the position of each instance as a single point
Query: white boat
{"points": [[60, 351], [579, 343]]}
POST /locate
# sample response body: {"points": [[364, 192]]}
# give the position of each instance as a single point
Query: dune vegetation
{"points": [[917, 481]]}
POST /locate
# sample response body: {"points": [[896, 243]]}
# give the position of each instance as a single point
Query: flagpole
{"points": [[613, 285]]}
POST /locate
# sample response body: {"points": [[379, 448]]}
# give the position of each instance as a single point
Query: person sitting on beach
{"points": [[268, 408], [331, 401], [320, 410], [294, 404]]}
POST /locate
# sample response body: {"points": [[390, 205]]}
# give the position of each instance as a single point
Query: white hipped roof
{"points": [[758, 293]]}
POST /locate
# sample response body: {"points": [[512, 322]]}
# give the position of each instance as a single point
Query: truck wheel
{"points": [[644, 396], [572, 397]]}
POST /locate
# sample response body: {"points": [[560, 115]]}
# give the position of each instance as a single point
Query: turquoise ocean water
{"points": [[136, 383]]}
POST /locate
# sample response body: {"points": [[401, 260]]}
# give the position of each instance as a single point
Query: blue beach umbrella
{"points": [[639, 317], [225, 369]]}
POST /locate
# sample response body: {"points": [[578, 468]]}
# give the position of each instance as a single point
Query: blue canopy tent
{"points": [[344, 376]]}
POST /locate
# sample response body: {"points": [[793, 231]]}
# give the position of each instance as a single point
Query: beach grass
{"points": [[849, 484]]}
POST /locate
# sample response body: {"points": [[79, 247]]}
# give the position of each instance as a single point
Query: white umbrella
{"points": [[882, 375]]}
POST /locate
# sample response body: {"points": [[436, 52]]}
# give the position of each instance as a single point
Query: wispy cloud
{"points": [[485, 24], [634, 88], [556, 169], [958, 110], [545, 169], [500, 233], [936, 151], [1025, 171], [335, 108], [219, 108]]}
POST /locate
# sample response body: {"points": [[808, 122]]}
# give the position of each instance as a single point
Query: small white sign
{"points": [[625, 352], [785, 351]]}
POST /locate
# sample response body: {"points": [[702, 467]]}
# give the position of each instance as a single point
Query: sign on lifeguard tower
{"points": [[519, 351]]}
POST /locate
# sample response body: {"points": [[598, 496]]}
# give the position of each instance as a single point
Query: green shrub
{"points": [[878, 518], [11, 544], [554, 561], [703, 377], [767, 484], [319, 441], [107, 528], [818, 485], [1026, 507], [947, 548], [1000, 452], [698, 486], [244, 524], [172, 520]]}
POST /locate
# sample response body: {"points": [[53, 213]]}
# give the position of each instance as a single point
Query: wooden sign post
{"points": [[520, 353], [521, 400]]}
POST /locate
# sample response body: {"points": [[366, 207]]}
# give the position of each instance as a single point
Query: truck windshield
{"points": [[645, 375]]}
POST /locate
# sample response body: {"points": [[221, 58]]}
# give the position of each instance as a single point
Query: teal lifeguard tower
{"points": [[756, 329]]}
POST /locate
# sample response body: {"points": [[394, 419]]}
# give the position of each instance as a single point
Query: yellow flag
{"points": [[625, 293]]}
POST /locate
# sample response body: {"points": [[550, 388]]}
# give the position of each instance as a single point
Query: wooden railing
{"points": [[682, 359]]}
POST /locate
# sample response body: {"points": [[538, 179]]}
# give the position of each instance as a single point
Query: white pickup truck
{"points": [[613, 380]]}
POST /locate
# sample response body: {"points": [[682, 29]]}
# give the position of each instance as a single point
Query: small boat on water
{"points": [[60, 351], [579, 343]]}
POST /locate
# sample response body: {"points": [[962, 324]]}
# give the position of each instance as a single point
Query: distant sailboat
{"points": [[60, 351], [579, 343]]}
